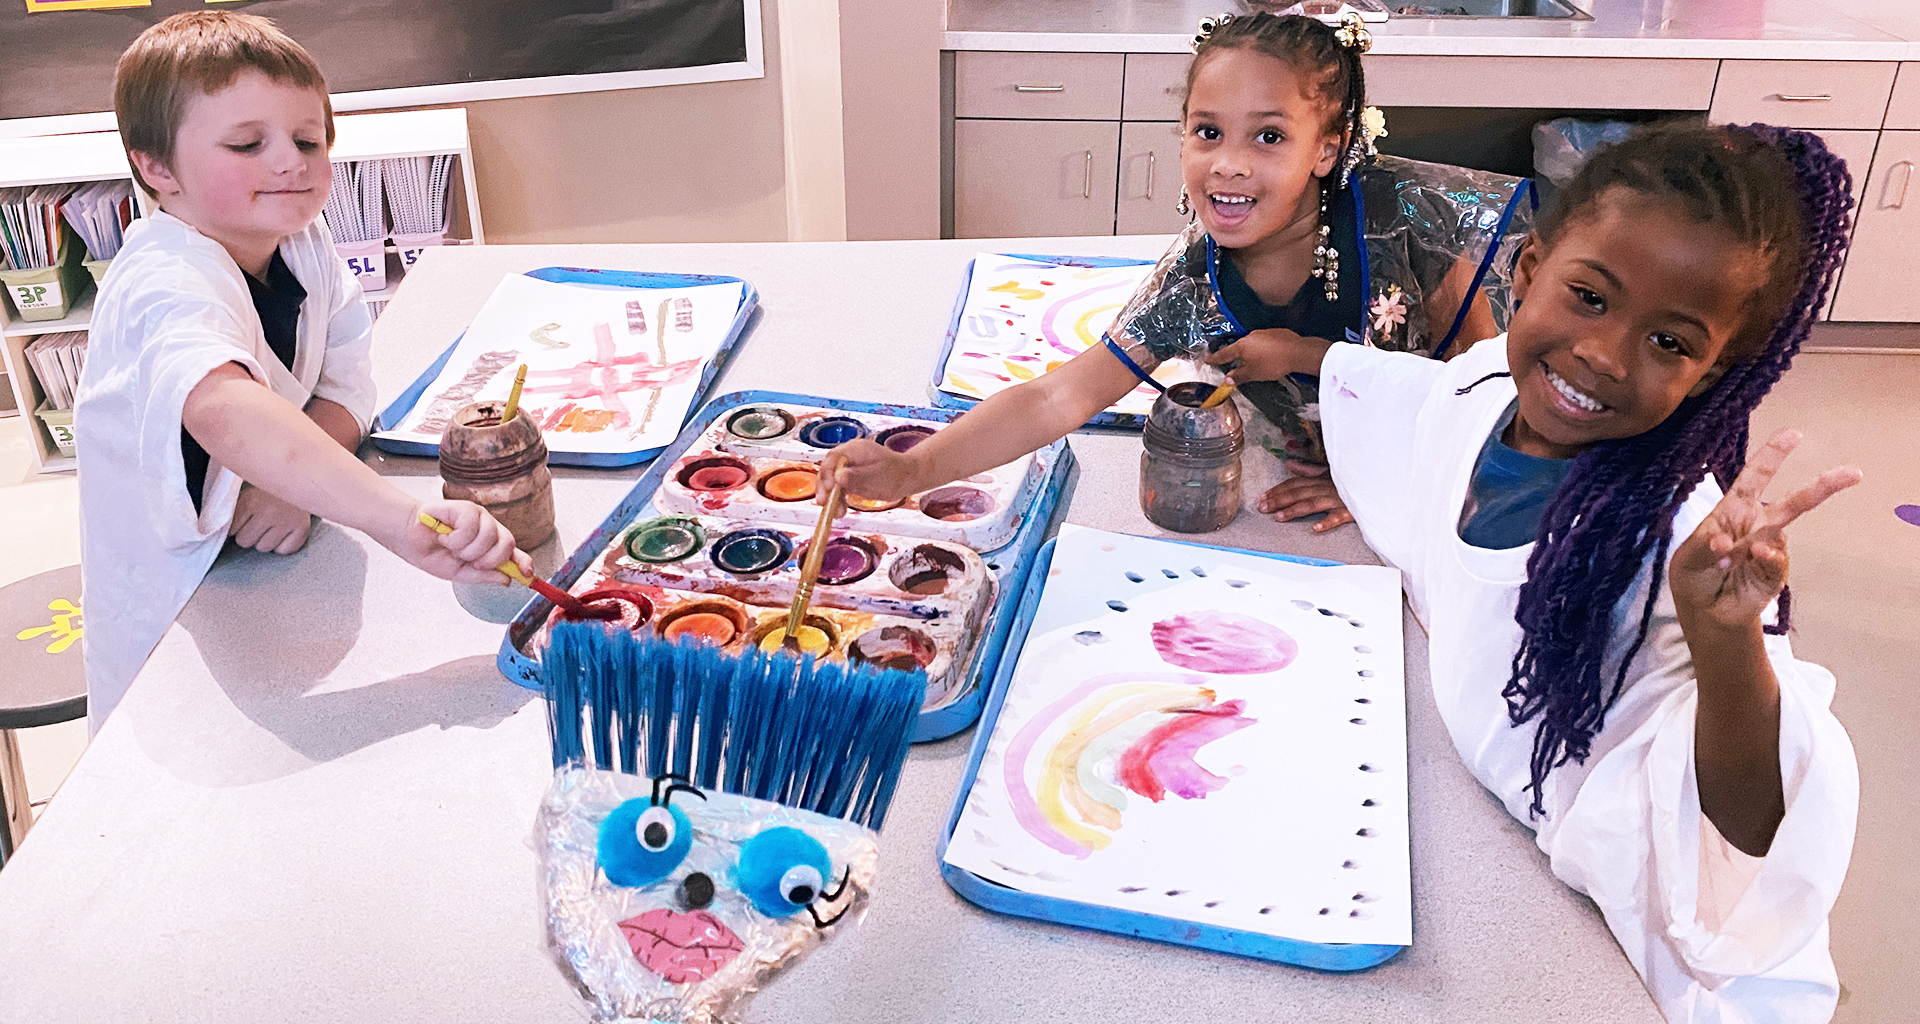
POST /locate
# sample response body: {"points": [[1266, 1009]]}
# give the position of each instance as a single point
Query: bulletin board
{"points": [[57, 56]]}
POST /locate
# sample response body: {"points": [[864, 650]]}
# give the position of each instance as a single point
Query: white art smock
{"points": [[1625, 827], [174, 307]]}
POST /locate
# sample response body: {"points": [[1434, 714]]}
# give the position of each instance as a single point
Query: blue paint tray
{"points": [[709, 495], [743, 320], [1108, 420], [1020, 903]]}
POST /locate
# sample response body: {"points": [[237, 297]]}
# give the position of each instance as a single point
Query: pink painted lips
{"points": [[681, 947]]}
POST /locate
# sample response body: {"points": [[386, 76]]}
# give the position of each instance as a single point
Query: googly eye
{"points": [[800, 884], [780, 866], [639, 843], [655, 829]]}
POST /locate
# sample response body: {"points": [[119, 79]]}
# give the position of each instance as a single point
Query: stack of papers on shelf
{"points": [[57, 360], [353, 209], [30, 227], [417, 192], [100, 213]]}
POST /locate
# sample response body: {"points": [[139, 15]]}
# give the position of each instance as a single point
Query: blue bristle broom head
{"points": [[821, 736]]}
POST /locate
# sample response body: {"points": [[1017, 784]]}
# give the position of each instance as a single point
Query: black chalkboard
{"points": [[61, 62]]}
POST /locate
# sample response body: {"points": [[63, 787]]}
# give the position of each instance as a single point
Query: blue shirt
{"points": [[1508, 493]]}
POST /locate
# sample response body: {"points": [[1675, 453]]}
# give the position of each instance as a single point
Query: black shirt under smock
{"points": [[1308, 315], [278, 301]]}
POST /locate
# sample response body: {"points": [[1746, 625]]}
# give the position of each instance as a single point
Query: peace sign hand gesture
{"points": [[1736, 561]]}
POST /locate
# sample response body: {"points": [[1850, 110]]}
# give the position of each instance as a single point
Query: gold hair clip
{"points": [[1207, 27], [1353, 33]]}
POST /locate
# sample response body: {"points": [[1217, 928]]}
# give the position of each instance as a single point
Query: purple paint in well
{"points": [[1908, 513], [1226, 643], [846, 560], [901, 439]]}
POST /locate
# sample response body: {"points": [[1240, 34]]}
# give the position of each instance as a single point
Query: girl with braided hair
{"points": [[1606, 624], [1299, 231]]}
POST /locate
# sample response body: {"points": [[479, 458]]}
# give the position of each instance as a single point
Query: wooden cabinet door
{"points": [[1881, 281], [1026, 178], [1149, 179]]}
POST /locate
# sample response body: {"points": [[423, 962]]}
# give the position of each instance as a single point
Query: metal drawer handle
{"points": [[1823, 97], [1039, 88], [1086, 185], [1149, 175], [1900, 200]]}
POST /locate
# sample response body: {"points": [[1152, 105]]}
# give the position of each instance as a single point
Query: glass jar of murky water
{"points": [[1190, 468]]}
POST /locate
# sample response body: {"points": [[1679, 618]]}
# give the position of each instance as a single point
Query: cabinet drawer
{"points": [[1072, 86], [1028, 178], [1589, 83], [1157, 86], [1904, 111], [1882, 276], [1803, 93]]}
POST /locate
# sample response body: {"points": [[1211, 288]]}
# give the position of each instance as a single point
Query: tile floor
{"points": [[1856, 573]]}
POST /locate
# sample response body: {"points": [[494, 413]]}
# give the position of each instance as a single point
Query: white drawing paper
{"points": [[609, 370], [1224, 743], [1023, 318]]}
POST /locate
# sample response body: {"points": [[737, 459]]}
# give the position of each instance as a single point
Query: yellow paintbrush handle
{"points": [[1219, 395], [513, 397], [508, 568]]}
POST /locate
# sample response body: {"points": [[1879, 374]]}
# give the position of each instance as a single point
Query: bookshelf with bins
{"points": [[98, 156]]}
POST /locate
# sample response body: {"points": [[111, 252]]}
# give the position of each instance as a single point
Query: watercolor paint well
{"points": [[956, 504], [901, 439], [832, 431], [846, 560], [633, 606], [706, 621], [760, 423], [770, 626], [744, 552], [926, 570], [715, 473], [859, 504], [896, 647], [796, 484], [666, 539]]}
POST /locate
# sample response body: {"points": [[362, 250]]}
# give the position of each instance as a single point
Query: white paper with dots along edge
{"points": [[1204, 735]]}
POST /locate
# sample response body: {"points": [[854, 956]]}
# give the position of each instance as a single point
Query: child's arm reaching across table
{"points": [[997, 431], [1722, 578], [286, 453]]}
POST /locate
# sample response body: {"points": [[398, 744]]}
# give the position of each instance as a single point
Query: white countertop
{"points": [[316, 802], [1752, 29]]}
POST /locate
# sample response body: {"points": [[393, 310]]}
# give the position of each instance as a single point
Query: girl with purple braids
{"points": [[1606, 623]]}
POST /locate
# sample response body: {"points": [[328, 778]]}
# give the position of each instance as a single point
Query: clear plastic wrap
{"points": [[624, 947], [1428, 228]]}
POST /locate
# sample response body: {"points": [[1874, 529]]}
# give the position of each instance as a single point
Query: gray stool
{"points": [[41, 680]]}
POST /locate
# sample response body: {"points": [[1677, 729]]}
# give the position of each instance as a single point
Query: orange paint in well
{"points": [[791, 485], [709, 626]]}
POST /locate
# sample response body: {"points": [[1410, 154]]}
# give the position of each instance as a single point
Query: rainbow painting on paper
{"points": [[1022, 318], [1203, 735]]}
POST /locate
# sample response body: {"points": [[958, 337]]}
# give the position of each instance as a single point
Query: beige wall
{"points": [[708, 163], [668, 164], [890, 76]]}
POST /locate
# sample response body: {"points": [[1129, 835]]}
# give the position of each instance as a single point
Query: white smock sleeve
{"points": [[1370, 400], [346, 367], [1766, 958]]}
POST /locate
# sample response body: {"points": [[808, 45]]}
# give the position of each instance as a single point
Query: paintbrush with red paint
{"points": [[571, 605]]}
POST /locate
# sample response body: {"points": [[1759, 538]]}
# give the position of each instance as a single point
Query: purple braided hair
{"points": [[1614, 512]]}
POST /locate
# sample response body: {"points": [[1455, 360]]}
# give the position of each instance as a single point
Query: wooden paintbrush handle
{"points": [[816, 554]]}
